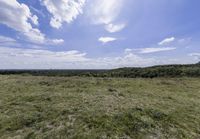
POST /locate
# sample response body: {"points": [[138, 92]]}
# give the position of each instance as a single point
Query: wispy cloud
{"points": [[7, 41], [149, 50], [107, 39], [56, 41], [19, 58], [195, 55], [45, 59], [154, 50], [40, 12], [166, 41], [4, 39], [128, 50], [112, 28], [32, 58]]}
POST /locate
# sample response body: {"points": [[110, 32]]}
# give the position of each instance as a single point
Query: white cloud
{"points": [[107, 39], [56, 41], [63, 10], [4, 39], [17, 15], [7, 41], [104, 11], [67, 56], [154, 50], [166, 41], [195, 55], [34, 19], [114, 28], [16, 58], [128, 50], [99, 11], [43, 59], [32, 58]]}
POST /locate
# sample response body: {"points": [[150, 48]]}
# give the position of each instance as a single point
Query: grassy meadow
{"points": [[40, 107]]}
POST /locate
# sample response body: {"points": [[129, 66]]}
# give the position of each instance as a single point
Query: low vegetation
{"points": [[105, 108]]}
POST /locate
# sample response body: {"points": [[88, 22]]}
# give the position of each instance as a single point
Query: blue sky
{"points": [[98, 34]]}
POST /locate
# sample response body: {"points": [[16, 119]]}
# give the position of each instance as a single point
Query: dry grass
{"points": [[88, 108]]}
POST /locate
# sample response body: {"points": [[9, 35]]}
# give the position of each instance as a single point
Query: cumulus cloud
{"points": [[106, 12], [166, 41], [107, 39], [114, 28], [17, 15], [63, 10], [99, 11]]}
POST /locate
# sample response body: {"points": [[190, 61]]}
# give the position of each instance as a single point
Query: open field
{"points": [[104, 108]]}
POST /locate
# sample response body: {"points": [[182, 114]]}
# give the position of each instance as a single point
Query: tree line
{"points": [[192, 70]]}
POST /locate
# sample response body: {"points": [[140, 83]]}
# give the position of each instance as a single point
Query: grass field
{"points": [[99, 108]]}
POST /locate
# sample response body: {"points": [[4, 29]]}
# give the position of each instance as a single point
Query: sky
{"points": [[98, 34]]}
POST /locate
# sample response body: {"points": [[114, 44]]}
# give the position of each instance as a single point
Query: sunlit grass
{"points": [[78, 107]]}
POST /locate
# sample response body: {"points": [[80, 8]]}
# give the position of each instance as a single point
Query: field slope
{"points": [[104, 108]]}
